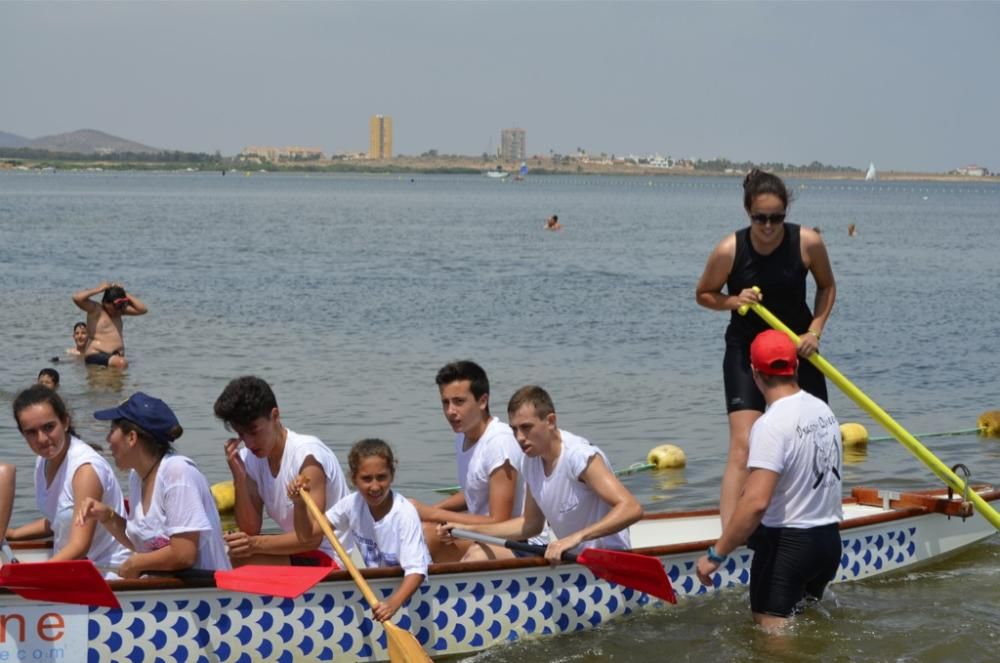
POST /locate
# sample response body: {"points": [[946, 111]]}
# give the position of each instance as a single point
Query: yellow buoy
{"points": [[989, 422], [853, 435], [667, 456], [224, 493]]}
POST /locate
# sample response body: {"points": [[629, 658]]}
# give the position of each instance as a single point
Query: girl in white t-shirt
{"points": [[385, 526], [173, 523], [67, 473]]}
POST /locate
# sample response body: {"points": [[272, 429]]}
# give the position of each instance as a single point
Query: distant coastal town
{"points": [[88, 149]]}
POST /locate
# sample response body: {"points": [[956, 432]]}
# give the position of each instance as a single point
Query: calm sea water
{"points": [[347, 293]]}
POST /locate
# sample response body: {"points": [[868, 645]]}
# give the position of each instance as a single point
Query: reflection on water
{"points": [[101, 379], [855, 455], [666, 483]]}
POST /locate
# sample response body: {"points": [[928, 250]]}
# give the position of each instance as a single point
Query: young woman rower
{"points": [[385, 524], [173, 523], [68, 472], [776, 256]]}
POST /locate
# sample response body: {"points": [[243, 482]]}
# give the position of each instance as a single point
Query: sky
{"points": [[908, 86]]}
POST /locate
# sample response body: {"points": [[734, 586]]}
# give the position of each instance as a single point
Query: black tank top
{"points": [[781, 277]]}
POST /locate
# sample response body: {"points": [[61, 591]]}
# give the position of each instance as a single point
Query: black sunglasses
{"points": [[764, 218]]}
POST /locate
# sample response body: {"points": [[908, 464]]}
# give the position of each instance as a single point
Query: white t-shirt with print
{"points": [[396, 540], [57, 504], [568, 503], [181, 502], [799, 438], [274, 489]]}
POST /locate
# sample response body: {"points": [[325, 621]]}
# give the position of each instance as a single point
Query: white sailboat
{"points": [[871, 175]]}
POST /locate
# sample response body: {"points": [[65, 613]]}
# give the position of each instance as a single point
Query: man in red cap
{"points": [[790, 508]]}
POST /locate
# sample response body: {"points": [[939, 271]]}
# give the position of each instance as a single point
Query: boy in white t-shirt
{"points": [[790, 509], [489, 466], [272, 457], [569, 483]]}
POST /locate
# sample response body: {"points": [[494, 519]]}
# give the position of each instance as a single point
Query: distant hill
{"points": [[87, 141], [13, 140]]}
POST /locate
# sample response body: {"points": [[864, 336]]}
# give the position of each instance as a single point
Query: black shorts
{"points": [[742, 393], [790, 565], [100, 358]]}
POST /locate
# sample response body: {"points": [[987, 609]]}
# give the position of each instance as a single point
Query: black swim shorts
{"points": [[100, 358], [742, 393], [790, 565]]}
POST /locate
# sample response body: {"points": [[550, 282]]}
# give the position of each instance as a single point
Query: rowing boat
{"points": [[461, 608]]}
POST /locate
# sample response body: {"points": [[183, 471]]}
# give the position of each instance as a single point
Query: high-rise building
{"points": [[512, 145], [381, 137]]}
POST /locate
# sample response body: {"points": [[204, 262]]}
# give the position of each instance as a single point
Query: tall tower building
{"points": [[380, 145], [512, 145]]}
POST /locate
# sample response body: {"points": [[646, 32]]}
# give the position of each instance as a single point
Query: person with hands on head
{"points": [[489, 467], [790, 509], [173, 523], [383, 523], [106, 344], [570, 484], [775, 256], [271, 457], [68, 473]]}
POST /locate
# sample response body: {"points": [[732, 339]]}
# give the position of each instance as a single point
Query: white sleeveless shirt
{"points": [[568, 504], [56, 502]]}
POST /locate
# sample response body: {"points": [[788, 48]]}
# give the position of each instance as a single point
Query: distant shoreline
{"points": [[464, 166]]}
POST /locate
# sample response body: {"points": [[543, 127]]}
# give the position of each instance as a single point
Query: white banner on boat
{"points": [[43, 633]]}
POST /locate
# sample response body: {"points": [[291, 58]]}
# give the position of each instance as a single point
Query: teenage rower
{"points": [[489, 466], [570, 484], [68, 473], [271, 457], [384, 524], [173, 523]]}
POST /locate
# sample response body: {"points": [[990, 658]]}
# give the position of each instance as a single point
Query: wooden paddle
{"points": [[403, 647], [73, 581], [912, 444], [642, 572]]}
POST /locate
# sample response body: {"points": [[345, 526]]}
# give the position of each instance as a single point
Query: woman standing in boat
{"points": [[384, 524], [68, 473], [173, 523], [775, 256]]}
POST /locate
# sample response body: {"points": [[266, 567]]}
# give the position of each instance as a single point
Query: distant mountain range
{"points": [[84, 141]]}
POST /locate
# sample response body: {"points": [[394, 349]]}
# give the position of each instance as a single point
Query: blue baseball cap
{"points": [[149, 413]]}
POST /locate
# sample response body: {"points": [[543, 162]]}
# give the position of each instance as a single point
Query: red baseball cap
{"points": [[773, 353]]}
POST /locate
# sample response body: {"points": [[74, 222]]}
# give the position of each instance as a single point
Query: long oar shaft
{"points": [[881, 416]]}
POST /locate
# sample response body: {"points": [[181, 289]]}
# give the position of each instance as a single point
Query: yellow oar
{"points": [[882, 417], [403, 647]]}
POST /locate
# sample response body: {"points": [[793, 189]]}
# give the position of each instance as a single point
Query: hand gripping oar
{"points": [[868, 405], [73, 581], [403, 647], [642, 572]]}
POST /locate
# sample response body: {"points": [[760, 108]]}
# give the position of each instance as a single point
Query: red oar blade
{"points": [[641, 572], [76, 581], [285, 581]]}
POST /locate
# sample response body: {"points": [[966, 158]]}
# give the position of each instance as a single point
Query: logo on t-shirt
{"points": [[822, 434]]}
